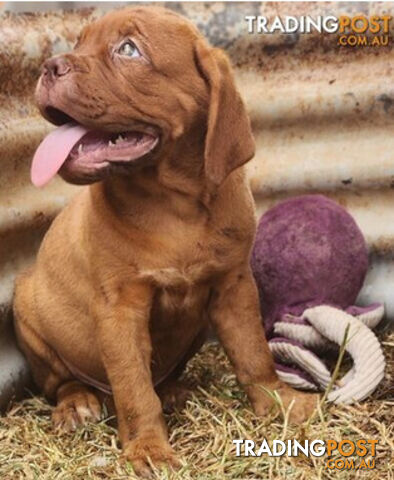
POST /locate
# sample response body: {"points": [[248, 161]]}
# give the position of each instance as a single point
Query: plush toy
{"points": [[309, 261]]}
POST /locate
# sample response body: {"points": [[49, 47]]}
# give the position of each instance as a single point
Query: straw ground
{"points": [[202, 434]]}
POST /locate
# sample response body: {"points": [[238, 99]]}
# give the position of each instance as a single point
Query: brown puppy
{"points": [[133, 270]]}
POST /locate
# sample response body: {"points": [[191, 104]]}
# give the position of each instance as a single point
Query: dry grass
{"points": [[202, 434]]}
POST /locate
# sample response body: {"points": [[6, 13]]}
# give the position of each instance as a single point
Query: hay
{"points": [[202, 434]]}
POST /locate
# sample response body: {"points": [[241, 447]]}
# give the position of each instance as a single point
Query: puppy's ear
{"points": [[229, 142]]}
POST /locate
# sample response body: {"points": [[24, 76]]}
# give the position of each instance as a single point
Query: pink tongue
{"points": [[53, 151]]}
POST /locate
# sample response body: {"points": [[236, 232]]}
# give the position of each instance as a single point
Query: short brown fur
{"points": [[135, 269]]}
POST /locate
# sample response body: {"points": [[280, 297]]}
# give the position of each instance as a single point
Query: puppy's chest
{"points": [[190, 262], [183, 286], [188, 271]]}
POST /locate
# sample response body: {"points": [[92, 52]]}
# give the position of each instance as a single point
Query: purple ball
{"points": [[308, 251]]}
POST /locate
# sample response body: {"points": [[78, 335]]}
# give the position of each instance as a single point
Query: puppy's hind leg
{"points": [[76, 403], [173, 395], [173, 392], [76, 406]]}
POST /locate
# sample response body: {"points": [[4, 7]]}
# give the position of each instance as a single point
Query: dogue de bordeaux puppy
{"points": [[139, 264]]}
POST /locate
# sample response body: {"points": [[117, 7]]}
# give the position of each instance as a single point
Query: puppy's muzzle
{"points": [[55, 68]]}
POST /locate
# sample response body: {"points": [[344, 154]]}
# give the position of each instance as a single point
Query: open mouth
{"points": [[84, 152]]}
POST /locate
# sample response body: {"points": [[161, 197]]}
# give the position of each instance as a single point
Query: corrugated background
{"points": [[323, 117]]}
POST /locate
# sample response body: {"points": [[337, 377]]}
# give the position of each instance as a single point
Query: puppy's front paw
{"points": [[303, 404], [144, 451]]}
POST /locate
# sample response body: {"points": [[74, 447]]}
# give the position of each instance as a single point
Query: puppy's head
{"points": [[138, 80]]}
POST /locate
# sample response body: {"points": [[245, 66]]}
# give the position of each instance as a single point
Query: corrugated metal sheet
{"points": [[323, 117]]}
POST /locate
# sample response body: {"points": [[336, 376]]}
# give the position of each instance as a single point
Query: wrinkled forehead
{"points": [[153, 26]]}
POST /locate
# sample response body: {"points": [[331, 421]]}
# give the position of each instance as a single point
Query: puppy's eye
{"points": [[129, 49]]}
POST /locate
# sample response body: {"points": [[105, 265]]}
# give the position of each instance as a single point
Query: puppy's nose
{"points": [[56, 67]]}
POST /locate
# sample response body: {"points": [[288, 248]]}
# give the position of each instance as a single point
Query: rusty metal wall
{"points": [[323, 117]]}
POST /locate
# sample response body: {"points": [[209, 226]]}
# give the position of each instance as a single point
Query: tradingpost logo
{"points": [[352, 31], [363, 451]]}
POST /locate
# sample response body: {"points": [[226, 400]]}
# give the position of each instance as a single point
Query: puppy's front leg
{"points": [[235, 315], [123, 329]]}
